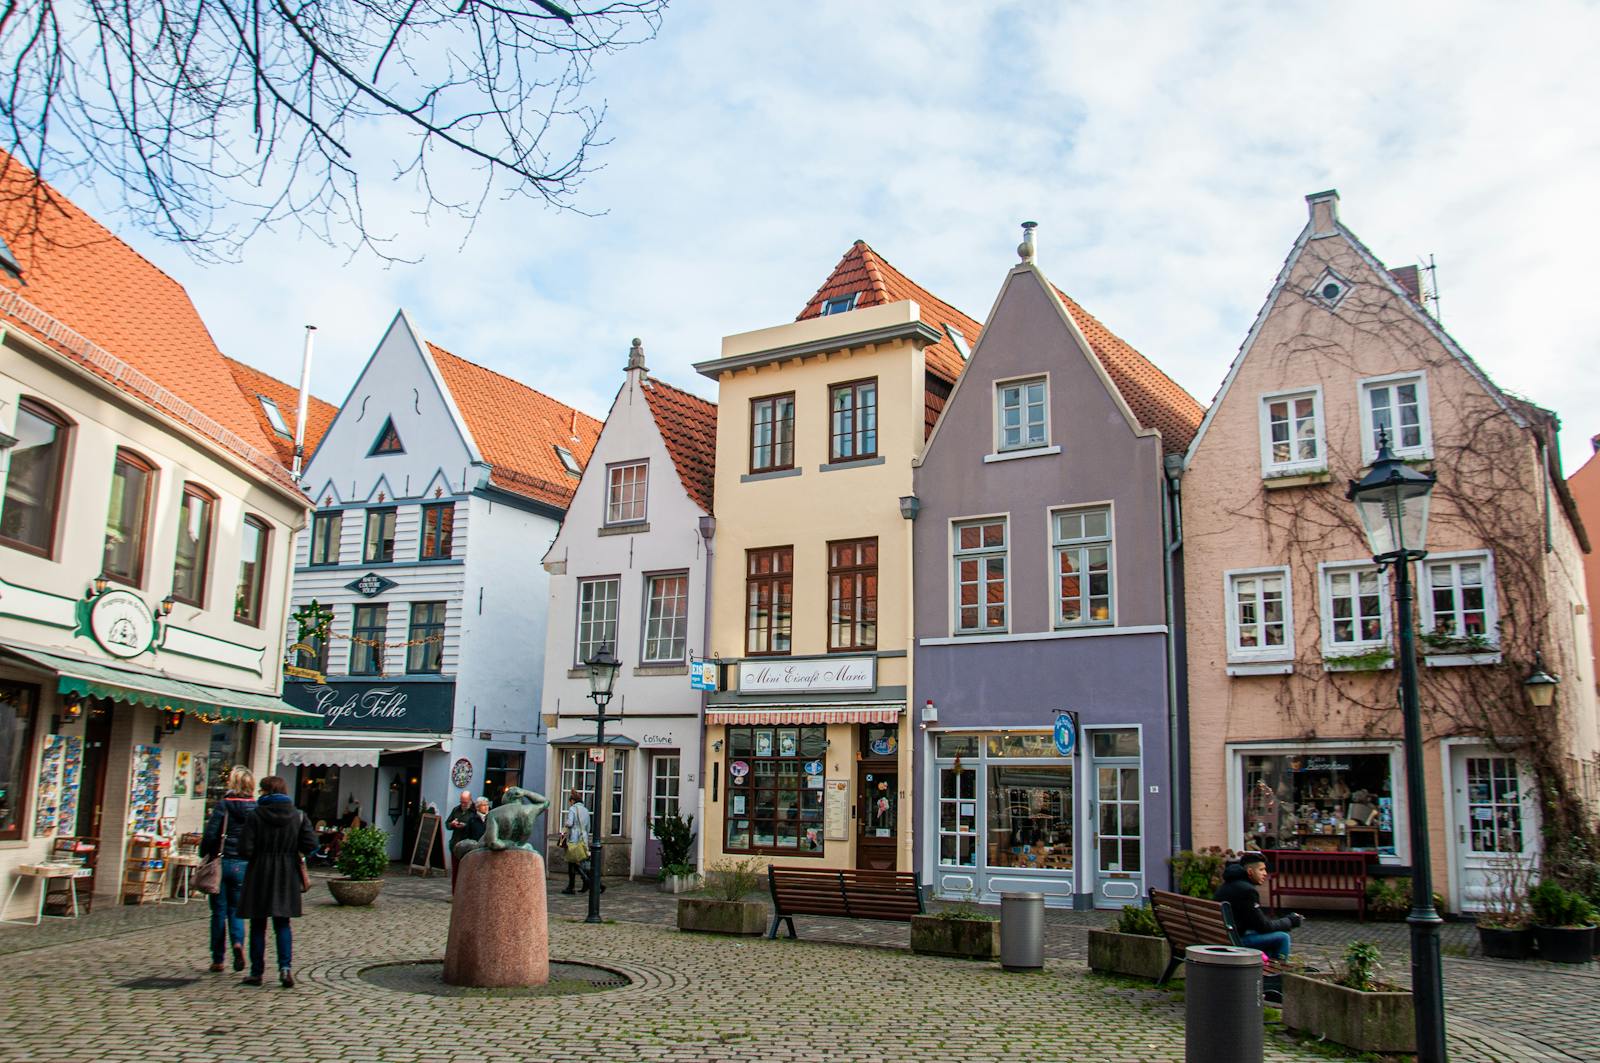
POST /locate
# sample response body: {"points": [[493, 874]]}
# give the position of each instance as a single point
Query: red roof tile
{"points": [[862, 270], [253, 382], [120, 313], [517, 429], [688, 426]]}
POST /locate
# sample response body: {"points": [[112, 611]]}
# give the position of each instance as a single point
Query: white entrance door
{"points": [[1496, 823]]}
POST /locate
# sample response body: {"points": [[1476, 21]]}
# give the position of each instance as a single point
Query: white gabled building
{"points": [[629, 571], [436, 486]]}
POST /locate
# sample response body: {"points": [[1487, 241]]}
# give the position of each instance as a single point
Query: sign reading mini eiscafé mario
{"points": [[808, 677]]}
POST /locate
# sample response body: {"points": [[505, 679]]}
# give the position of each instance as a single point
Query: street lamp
{"points": [[1392, 500], [1540, 686], [602, 668]]}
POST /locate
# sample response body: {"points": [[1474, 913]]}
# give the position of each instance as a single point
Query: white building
{"points": [[436, 487], [629, 571]]}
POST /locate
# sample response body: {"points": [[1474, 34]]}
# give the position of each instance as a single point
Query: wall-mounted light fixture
{"points": [[97, 587], [910, 506], [716, 747], [166, 605], [71, 706]]}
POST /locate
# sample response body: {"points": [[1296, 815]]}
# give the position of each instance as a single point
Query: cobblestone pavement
{"points": [[694, 997]]}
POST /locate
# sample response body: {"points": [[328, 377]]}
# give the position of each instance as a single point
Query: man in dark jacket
{"points": [[274, 841], [1257, 930]]}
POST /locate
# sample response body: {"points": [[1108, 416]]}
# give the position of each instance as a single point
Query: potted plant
{"points": [[962, 929], [1134, 946], [1504, 931], [1563, 924], [1353, 1007], [726, 911], [676, 834], [363, 858]]}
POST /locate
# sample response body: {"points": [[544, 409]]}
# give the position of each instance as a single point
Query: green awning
{"points": [[93, 680]]}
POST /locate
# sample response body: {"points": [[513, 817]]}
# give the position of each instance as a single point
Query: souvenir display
{"points": [[60, 768], [1319, 802], [143, 807]]}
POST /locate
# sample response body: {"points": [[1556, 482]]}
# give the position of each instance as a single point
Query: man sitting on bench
{"points": [[1257, 930]]}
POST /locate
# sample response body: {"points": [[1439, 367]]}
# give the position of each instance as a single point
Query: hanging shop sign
{"points": [[376, 706], [121, 623], [808, 677], [371, 585], [1066, 733], [702, 675]]}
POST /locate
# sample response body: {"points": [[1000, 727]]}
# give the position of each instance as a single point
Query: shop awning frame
{"points": [[622, 741], [345, 753], [780, 717]]}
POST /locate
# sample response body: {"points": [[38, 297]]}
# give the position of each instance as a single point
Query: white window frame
{"points": [[651, 600], [1296, 465], [616, 814], [577, 773], [1369, 449], [1326, 570], [982, 553], [1248, 655], [1491, 596], [616, 506], [1237, 751], [1058, 546], [1022, 382], [664, 800], [616, 608]]}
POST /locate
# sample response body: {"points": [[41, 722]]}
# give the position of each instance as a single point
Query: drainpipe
{"points": [[1178, 751], [708, 532]]}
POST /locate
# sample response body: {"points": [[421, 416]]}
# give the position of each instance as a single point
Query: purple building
{"points": [[1045, 586]]}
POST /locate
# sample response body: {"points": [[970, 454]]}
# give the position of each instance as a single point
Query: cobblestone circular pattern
{"points": [[427, 977]]}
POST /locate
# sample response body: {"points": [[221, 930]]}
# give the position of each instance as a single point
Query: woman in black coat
{"points": [[275, 839]]}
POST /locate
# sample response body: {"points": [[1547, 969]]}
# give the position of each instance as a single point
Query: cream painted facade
{"points": [[807, 507], [42, 603], [1283, 734]]}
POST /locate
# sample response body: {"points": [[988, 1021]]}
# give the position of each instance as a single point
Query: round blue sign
{"points": [[1066, 734], [813, 767]]}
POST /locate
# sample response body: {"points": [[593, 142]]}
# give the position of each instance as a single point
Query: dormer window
{"points": [[275, 417], [569, 462], [959, 341], [388, 441], [840, 303]]}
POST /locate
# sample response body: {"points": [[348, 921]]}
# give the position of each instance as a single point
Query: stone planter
{"points": [[1383, 1021], [1565, 944], [1133, 955], [355, 892], [1501, 943], [708, 916], [969, 939], [681, 883]]}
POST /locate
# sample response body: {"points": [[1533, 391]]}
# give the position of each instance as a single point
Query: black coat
{"points": [[231, 812], [458, 823], [274, 839], [1245, 900]]}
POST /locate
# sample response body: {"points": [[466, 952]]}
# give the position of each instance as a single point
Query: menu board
{"points": [[836, 810]]}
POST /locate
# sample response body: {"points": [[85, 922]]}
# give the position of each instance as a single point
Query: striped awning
{"points": [[764, 717]]}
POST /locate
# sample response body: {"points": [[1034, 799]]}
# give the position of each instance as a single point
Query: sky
{"points": [[1164, 150]]}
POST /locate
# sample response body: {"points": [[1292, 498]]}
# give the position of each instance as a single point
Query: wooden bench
{"points": [[889, 895], [1189, 921], [1293, 873]]}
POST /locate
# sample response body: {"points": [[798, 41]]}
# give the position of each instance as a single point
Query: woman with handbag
{"points": [[575, 840], [275, 840], [221, 873]]}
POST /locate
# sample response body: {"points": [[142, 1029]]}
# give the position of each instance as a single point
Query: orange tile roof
{"points": [[319, 414], [1155, 399], [862, 270], [517, 429], [119, 313], [688, 426]]}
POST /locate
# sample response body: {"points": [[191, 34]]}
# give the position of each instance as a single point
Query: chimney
{"points": [[1324, 207], [1028, 248]]}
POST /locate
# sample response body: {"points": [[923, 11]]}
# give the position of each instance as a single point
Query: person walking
{"points": [[221, 839], [275, 839], [575, 838]]}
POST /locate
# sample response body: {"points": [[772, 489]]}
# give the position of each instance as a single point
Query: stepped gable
{"points": [[688, 427], [319, 414]]}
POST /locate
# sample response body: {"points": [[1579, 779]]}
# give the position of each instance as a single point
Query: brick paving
{"points": [[694, 998]]}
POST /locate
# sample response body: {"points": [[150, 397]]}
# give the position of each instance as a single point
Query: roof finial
{"points": [[1027, 248], [636, 356]]}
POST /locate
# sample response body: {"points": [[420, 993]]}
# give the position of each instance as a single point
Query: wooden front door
{"points": [[877, 813]]}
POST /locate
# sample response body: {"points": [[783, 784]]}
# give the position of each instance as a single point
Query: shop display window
{"points": [[1022, 745], [1030, 813], [18, 706], [958, 817], [229, 746], [956, 746], [775, 788], [1319, 801]]}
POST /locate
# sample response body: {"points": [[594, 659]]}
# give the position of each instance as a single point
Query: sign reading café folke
{"points": [[376, 706], [827, 675]]}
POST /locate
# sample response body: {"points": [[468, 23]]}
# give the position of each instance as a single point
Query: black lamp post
{"points": [[602, 676], [1392, 500]]}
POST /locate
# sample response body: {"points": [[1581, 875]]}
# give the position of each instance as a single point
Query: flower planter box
{"points": [[969, 939], [1565, 944], [355, 892], [1133, 955], [681, 883], [1383, 1021], [1499, 943], [708, 916]]}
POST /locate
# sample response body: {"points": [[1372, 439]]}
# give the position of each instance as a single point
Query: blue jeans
{"points": [[226, 926], [1275, 943], [258, 944]]}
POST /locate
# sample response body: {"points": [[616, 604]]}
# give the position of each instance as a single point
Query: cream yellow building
{"points": [[808, 738]]}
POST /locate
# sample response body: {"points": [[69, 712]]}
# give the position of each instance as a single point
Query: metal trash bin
{"points": [[1022, 931], [1222, 1004]]}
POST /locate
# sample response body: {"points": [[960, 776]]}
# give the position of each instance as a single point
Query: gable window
{"points": [[666, 618], [772, 433], [625, 492], [980, 576], [854, 417], [1397, 405], [438, 530], [1020, 414], [368, 627], [1458, 597], [769, 601], [380, 535], [1259, 615], [1291, 433], [388, 441], [128, 518], [192, 560], [853, 595], [568, 462], [1354, 607], [597, 616], [252, 571], [425, 638], [839, 304], [34, 480], [275, 417], [1083, 566], [325, 528]]}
